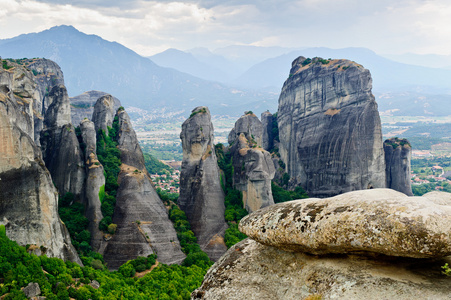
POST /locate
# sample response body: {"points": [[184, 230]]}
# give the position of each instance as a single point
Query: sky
{"points": [[150, 27]]}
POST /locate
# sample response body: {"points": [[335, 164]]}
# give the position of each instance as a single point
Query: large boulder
{"points": [[28, 198], [329, 128], [398, 153], [378, 221], [201, 194], [103, 113], [250, 270], [253, 168]]}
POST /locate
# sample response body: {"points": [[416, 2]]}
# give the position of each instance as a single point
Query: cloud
{"points": [[148, 27]]}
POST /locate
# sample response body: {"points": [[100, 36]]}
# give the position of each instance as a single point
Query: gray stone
{"points": [[201, 194], [95, 179], [104, 112], [329, 128], [398, 153], [95, 284], [143, 225], [267, 124], [250, 270], [252, 165], [28, 198], [82, 106], [378, 221], [32, 290]]}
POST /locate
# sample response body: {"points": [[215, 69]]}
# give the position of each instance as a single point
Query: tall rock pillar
{"points": [[201, 195], [398, 154]]}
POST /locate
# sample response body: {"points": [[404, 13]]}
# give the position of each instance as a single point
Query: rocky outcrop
{"points": [[398, 153], [95, 179], [28, 199], [143, 226], [201, 195], [250, 270], [82, 106], [267, 124], [60, 147], [103, 113], [329, 128], [371, 244], [379, 221], [252, 165]]}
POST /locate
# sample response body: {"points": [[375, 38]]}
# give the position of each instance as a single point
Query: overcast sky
{"points": [[149, 27]]}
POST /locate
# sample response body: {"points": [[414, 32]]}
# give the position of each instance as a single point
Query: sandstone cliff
{"points": [[398, 153], [143, 226], [371, 244], [252, 165], [103, 113], [28, 199], [60, 147], [82, 106], [267, 124], [329, 128], [201, 195], [95, 179]]}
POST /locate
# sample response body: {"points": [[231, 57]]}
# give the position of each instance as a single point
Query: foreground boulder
{"points": [[380, 221], [250, 270], [329, 128]]}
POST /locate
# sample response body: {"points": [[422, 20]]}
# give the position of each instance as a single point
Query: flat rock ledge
{"points": [[377, 221]]}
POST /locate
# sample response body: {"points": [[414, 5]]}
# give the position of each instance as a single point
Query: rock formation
{"points": [[201, 195], [143, 226], [267, 124], [398, 153], [103, 113], [82, 106], [252, 165], [28, 199], [60, 147], [95, 179], [376, 233], [329, 128]]}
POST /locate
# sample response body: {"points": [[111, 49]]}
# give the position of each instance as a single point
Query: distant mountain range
{"points": [[229, 80], [91, 63]]}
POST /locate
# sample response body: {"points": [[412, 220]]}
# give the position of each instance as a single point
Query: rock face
{"points": [[60, 147], [329, 128], [379, 221], [410, 234], [103, 113], [252, 165], [398, 153], [82, 106], [267, 124], [250, 270], [201, 195], [95, 179], [143, 226], [28, 199]]}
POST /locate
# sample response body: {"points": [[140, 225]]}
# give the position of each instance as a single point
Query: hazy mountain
{"points": [[424, 60], [387, 74], [188, 63], [91, 63]]}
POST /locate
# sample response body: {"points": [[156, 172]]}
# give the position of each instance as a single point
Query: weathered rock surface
{"points": [[95, 179], [250, 270], [378, 221], [60, 147], [32, 290], [201, 194], [28, 199], [267, 124], [252, 165], [329, 128], [398, 153], [104, 113], [82, 106], [143, 225]]}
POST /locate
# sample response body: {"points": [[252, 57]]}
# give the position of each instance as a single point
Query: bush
{"points": [[112, 228]]}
